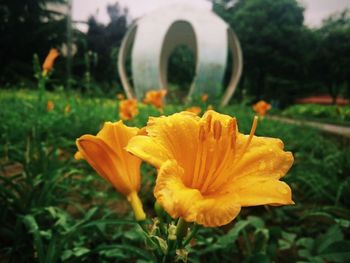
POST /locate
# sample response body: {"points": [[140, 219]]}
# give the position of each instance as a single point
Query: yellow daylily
{"points": [[49, 60], [261, 107], [155, 97], [208, 170], [204, 97], [128, 109], [120, 96], [50, 105], [106, 154]]}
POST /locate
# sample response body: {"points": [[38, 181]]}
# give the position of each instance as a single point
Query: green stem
{"points": [[193, 232], [247, 242], [181, 231]]}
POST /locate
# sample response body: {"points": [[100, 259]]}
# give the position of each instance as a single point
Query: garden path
{"points": [[330, 128]]}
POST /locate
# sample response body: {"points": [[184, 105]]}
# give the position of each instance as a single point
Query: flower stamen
{"points": [[202, 137], [251, 134], [217, 128]]}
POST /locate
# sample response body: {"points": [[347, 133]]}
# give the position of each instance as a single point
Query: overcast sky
{"points": [[316, 10]]}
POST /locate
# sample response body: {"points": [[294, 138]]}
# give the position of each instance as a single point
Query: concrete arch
{"points": [[158, 33], [179, 32], [124, 49]]}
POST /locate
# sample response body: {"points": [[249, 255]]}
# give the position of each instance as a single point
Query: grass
{"points": [[56, 209]]}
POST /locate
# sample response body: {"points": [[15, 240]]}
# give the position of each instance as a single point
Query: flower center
{"points": [[216, 152]]}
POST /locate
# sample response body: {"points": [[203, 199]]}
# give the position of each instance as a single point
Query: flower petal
{"points": [[148, 150], [117, 136], [108, 164], [257, 190], [178, 134], [255, 173], [188, 203], [263, 157]]}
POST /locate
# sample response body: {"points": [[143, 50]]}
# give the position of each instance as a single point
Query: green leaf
{"points": [[133, 235], [257, 222], [80, 251], [306, 242], [319, 217], [135, 251], [338, 251], [257, 258], [233, 234], [114, 253], [286, 241], [261, 237], [66, 254], [332, 235]]}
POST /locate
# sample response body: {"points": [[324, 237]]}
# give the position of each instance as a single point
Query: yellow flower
{"points": [[261, 107], [204, 97], [49, 60], [196, 110], [105, 153], [210, 107], [208, 170], [120, 96], [128, 109], [50, 105], [155, 97]]}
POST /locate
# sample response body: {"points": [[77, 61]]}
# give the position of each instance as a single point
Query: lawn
{"points": [[57, 209]]}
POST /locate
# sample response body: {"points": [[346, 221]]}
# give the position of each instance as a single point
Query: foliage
{"points": [[265, 30], [55, 209], [323, 113], [332, 47], [283, 59], [105, 40], [27, 27]]}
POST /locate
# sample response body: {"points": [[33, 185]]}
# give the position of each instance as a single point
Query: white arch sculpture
{"points": [[155, 36]]}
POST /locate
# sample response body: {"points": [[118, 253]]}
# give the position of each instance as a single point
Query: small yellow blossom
{"points": [[155, 97], [105, 153], [208, 170], [195, 109], [210, 107], [261, 107], [120, 96], [49, 61], [50, 105], [128, 109]]}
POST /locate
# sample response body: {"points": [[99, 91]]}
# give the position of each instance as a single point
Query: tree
{"points": [[271, 34], [105, 40], [331, 60], [27, 27]]}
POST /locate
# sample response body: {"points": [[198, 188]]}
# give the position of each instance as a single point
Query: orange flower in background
{"points": [[128, 109], [50, 105], [120, 96], [204, 97], [261, 107], [105, 153], [49, 61], [208, 170], [155, 97], [196, 110]]}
